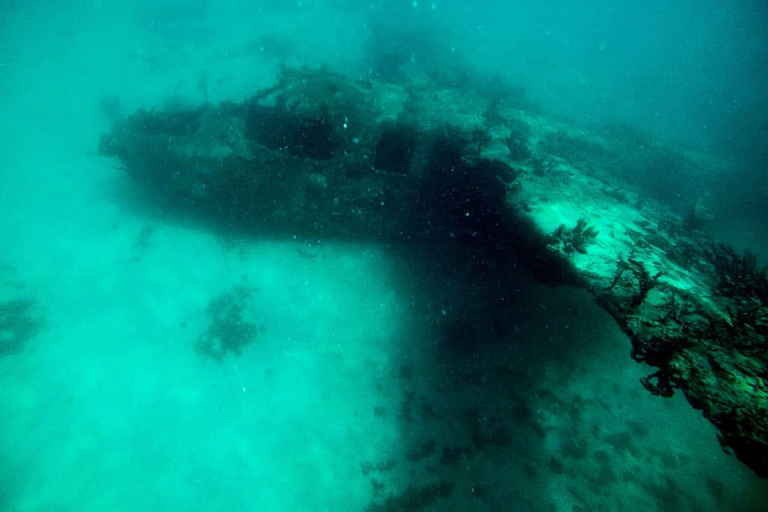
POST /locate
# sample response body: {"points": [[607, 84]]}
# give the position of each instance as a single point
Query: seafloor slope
{"points": [[323, 156]]}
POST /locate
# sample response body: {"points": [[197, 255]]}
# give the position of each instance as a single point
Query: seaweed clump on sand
{"points": [[228, 330], [18, 324]]}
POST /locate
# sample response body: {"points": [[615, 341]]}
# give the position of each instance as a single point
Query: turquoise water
{"points": [[345, 397]]}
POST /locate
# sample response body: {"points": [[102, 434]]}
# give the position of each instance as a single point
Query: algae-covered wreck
{"points": [[321, 155]]}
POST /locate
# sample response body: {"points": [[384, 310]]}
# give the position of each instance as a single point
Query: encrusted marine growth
{"points": [[574, 239], [738, 276], [713, 348], [645, 282]]}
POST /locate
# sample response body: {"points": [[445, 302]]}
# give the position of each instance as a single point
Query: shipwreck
{"points": [[324, 156]]}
